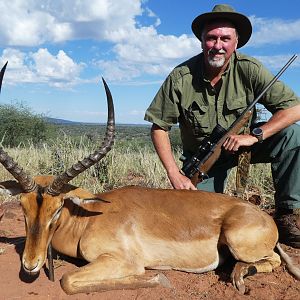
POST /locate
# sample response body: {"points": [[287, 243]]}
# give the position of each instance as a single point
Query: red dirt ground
{"points": [[15, 284]]}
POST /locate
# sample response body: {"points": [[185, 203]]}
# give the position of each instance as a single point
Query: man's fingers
{"points": [[193, 188]]}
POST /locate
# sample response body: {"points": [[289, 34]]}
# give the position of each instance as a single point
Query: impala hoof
{"points": [[163, 280]]}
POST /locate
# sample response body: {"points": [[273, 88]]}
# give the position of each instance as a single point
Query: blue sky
{"points": [[58, 50]]}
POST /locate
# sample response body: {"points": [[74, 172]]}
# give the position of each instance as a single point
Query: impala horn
{"points": [[12, 167], [57, 185], [2, 74], [27, 183]]}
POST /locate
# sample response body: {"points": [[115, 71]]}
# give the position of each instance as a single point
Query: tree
{"points": [[19, 125]]}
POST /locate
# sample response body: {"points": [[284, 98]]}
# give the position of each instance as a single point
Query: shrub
{"points": [[20, 126]]}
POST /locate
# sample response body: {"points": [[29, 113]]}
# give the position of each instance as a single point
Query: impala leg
{"points": [[109, 273], [251, 237], [243, 269]]}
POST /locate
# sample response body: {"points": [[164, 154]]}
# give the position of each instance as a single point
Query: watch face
{"points": [[257, 131]]}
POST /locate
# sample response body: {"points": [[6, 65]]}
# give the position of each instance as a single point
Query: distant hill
{"points": [[60, 121], [67, 122]]}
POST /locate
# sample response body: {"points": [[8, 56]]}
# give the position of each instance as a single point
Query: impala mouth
{"points": [[32, 270]]}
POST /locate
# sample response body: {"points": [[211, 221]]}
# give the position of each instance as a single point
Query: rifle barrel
{"points": [[249, 108], [272, 81]]}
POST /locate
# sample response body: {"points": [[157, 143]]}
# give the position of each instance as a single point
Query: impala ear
{"points": [[93, 200], [78, 201], [10, 188], [80, 196]]}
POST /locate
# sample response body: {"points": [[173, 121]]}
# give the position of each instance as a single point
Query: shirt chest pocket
{"points": [[237, 106], [197, 118]]}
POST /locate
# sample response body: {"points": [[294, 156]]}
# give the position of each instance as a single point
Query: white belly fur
{"points": [[196, 256], [208, 268]]}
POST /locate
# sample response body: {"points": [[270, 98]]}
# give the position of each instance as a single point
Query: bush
{"points": [[20, 126]]}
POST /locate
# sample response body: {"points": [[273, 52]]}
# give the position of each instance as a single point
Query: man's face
{"points": [[219, 41]]}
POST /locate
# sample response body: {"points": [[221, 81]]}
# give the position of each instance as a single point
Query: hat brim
{"points": [[241, 22]]}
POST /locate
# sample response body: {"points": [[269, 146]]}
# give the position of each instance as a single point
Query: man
{"points": [[213, 88]]}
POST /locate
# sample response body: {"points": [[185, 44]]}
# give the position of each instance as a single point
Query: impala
{"points": [[123, 232]]}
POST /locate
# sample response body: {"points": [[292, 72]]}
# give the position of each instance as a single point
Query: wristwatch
{"points": [[258, 133]]}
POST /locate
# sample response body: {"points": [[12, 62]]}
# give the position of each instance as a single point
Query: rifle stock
{"points": [[210, 149], [216, 150], [205, 167]]}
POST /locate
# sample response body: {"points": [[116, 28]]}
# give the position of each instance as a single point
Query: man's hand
{"points": [[180, 182], [280, 120], [162, 146], [234, 142]]}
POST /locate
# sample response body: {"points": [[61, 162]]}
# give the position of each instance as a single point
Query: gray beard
{"points": [[216, 63]]}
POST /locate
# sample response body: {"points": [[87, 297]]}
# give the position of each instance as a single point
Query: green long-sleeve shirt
{"points": [[187, 97]]}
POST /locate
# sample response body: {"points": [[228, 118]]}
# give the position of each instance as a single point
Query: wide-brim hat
{"points": [[224, 11]]}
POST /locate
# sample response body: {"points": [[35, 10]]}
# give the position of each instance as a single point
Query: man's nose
{"points": [[218, 44]]}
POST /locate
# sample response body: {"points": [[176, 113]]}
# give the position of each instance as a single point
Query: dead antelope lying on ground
{"points": [[125, 231]]}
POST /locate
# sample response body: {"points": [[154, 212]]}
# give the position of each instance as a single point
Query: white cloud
{"points": [[149, 46], [59, 67], [137, 49], [34, 22], [17, 70], [118, 70], [276, 62], [25, 24], [149, 53], [273, 31], [137, 113], [151, 14], [40, 67]]}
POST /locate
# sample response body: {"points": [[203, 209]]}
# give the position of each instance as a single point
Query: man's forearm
{"points": [[280, 120], [163, 148], [161, 142]]}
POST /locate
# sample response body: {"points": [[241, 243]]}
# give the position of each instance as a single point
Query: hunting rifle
{"points": [[210, 148]]}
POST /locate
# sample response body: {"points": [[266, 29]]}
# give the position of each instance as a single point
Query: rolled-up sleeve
{"points": [[279, 96], [163, 111]]}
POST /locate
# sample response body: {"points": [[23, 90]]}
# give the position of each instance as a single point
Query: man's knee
{"points": [[291, 134], [287, 139]]}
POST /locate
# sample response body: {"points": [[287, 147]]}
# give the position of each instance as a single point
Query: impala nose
{"points": [[30, 268]]}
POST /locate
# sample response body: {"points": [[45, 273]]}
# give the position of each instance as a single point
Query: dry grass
{"points": [[122, 166]]}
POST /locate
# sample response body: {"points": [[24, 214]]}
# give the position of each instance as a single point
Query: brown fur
{"points": [[130, 229]]}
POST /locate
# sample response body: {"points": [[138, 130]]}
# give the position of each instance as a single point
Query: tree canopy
{"points": [[19, 125]]}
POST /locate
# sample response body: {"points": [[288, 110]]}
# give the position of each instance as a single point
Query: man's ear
{"points": [[236, 44], [10, 188]]}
